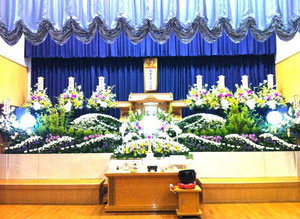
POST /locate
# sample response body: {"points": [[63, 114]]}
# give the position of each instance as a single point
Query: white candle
{"points": [[245, 81], [71, 83], [199, 81], [221, 81], [6, 106], [270, 80], [40, 83]]}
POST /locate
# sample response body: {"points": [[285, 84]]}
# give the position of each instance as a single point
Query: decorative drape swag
{"points": [[137, 18], [122, 47]]}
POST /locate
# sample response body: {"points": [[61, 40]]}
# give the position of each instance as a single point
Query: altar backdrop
{"points": [[175, 74]]}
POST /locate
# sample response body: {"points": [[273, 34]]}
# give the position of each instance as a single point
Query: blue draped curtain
{"points": [[175, 74], [122, 47], [138, 18]]}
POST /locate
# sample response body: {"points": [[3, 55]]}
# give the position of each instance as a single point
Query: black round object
{"points": [[187, 176]]}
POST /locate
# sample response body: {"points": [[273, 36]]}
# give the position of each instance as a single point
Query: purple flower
{"points": [[249, 91], [196, 95], [32, 97], [228, 95], [220, 95], [203, 93], [139, 127], [163, 127], [103, 97], [97, 95], [39, 97], [269, 97], [276, 94], [85, 138], [149, 136], [66, 95], [73, 96], [241, 94]]}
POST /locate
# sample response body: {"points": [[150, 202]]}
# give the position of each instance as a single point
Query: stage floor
{"points": [[210, 211]]}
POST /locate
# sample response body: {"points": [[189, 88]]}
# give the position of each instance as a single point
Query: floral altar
{"points": [[238, 128]]}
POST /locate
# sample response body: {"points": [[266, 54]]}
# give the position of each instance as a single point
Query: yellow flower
{"points": [[127, 151]]}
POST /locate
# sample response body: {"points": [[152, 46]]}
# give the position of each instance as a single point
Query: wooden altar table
{"points": [[141, 191]]}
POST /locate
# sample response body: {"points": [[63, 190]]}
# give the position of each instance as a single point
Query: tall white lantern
{"points": [[71, 83], [245, 81], [40, 83], [221, 82], [199, 81], [6, 107], [101, 84], [270, 80]]}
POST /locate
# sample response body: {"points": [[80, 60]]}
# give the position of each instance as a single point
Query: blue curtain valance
{"points": [[122, 47], [138, 18]]}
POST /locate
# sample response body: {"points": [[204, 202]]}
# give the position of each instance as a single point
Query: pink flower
{"points": [[67, 96], [220, 95], [269, 97], [97, 95], [249, 91], [228, 95], [32, 97], [241, 94], [85, 138], [73, 96], [92, 136], [203, 93], [103, 97], [39, 97], [196, 95], [149, 136], [276, 94]]}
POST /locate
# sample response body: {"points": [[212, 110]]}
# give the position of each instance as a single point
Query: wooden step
{"points": [[250, 190], [54, 191]]}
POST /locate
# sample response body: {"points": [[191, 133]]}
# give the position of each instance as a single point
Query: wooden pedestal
{"points": [[188, 201]]}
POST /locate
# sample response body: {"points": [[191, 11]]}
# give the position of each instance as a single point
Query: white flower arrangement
{"points": [[98, 139], [246, 140], [268, 97], [24, 143], [159, 147], [204, 120], [196, 98], [8, 121], [93, 121], [200, 139], [38, 101], [102, 99], [246, 96], [71, 99], [59, 142], [219, 98], [279, 141]]}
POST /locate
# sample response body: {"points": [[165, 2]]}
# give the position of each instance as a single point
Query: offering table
{"points": [[141, 191]]}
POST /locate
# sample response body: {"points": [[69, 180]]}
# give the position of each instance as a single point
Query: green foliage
{"points": [[55, 123], [134, 117], [241, 121]]}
